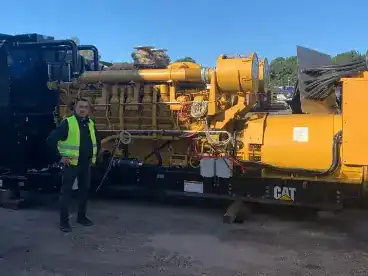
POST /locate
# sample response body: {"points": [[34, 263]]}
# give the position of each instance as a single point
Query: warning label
{"points": [[300, 134]]}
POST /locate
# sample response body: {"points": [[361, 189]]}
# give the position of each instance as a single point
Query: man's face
{"points": [[82, 109]]}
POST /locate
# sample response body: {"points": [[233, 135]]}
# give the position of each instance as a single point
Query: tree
{"points": [[283, 71], [346, 57], [87, 54], [186, 59]]}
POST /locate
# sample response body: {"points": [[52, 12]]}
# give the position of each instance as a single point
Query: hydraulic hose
{"points": [[109, 166], [157, 150], [159, 158], [326, 77], [334, 165]]}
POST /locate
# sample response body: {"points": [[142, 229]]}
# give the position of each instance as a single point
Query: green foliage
{"points": [[283, 71], [346, 57], [186, 59], [88, 54]]}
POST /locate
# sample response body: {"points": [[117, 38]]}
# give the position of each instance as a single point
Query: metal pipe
{"points": [[157, 103], [95, 54], [131, 131], [144, 75], [52, 43], [116, 136]]}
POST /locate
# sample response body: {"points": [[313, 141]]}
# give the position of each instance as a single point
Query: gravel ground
{"points": [[150, 239]]}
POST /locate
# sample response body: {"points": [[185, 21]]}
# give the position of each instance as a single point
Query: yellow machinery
{"points": [[198, 126], [177, 102]]}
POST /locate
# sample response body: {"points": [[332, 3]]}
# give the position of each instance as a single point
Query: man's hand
{"points": [[99, 157], [65, 161]]}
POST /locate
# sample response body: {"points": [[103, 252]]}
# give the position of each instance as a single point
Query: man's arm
{"points": [[60, 133]]}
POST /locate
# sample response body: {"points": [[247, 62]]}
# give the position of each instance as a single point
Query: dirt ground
{"points": [[131, 238]]}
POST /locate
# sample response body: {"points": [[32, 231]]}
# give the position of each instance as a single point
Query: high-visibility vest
{"points": [[70, 147]]}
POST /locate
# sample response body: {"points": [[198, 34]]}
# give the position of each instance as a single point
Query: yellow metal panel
{"points": [[237, 74], [144, 75], [355, 119], [264, 75], [255, 129], [294, 141], [327, 106], [299, 141]]}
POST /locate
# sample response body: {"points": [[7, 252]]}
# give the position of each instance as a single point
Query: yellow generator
{"points": [[184, 129]]}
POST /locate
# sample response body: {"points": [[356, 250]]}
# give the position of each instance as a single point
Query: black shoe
{"points": [[65, 227], [84, 221]]}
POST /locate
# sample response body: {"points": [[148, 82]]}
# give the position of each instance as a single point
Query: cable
{"points": [[122, 139], [325, 78], [213, 142], [167, 143], [183, 114], [198, 111], [216, 155], [191, 163]]}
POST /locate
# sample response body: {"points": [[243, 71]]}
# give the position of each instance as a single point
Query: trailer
{"points": [[185, 130]]}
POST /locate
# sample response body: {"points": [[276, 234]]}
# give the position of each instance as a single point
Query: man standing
{"points": [[75, 144]]}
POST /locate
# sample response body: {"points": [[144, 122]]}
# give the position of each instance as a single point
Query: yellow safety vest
{"points": [[70, 147]]}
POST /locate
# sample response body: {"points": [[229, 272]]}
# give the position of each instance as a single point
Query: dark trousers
{"points": [[83, 174]]}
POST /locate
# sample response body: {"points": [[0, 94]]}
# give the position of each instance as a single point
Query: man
{"points": [[75, 144]]}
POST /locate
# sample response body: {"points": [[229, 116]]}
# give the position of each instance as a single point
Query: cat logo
{"points": [[284, 193]]}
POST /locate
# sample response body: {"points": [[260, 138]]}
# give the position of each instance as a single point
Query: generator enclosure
{"points": [[28, 109]]}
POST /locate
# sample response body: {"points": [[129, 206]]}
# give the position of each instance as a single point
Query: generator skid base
{"points": [[10, 200], [31, 189], [241, 189]]}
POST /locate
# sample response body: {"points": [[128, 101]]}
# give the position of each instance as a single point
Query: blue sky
{"points": [[202, 29]]}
